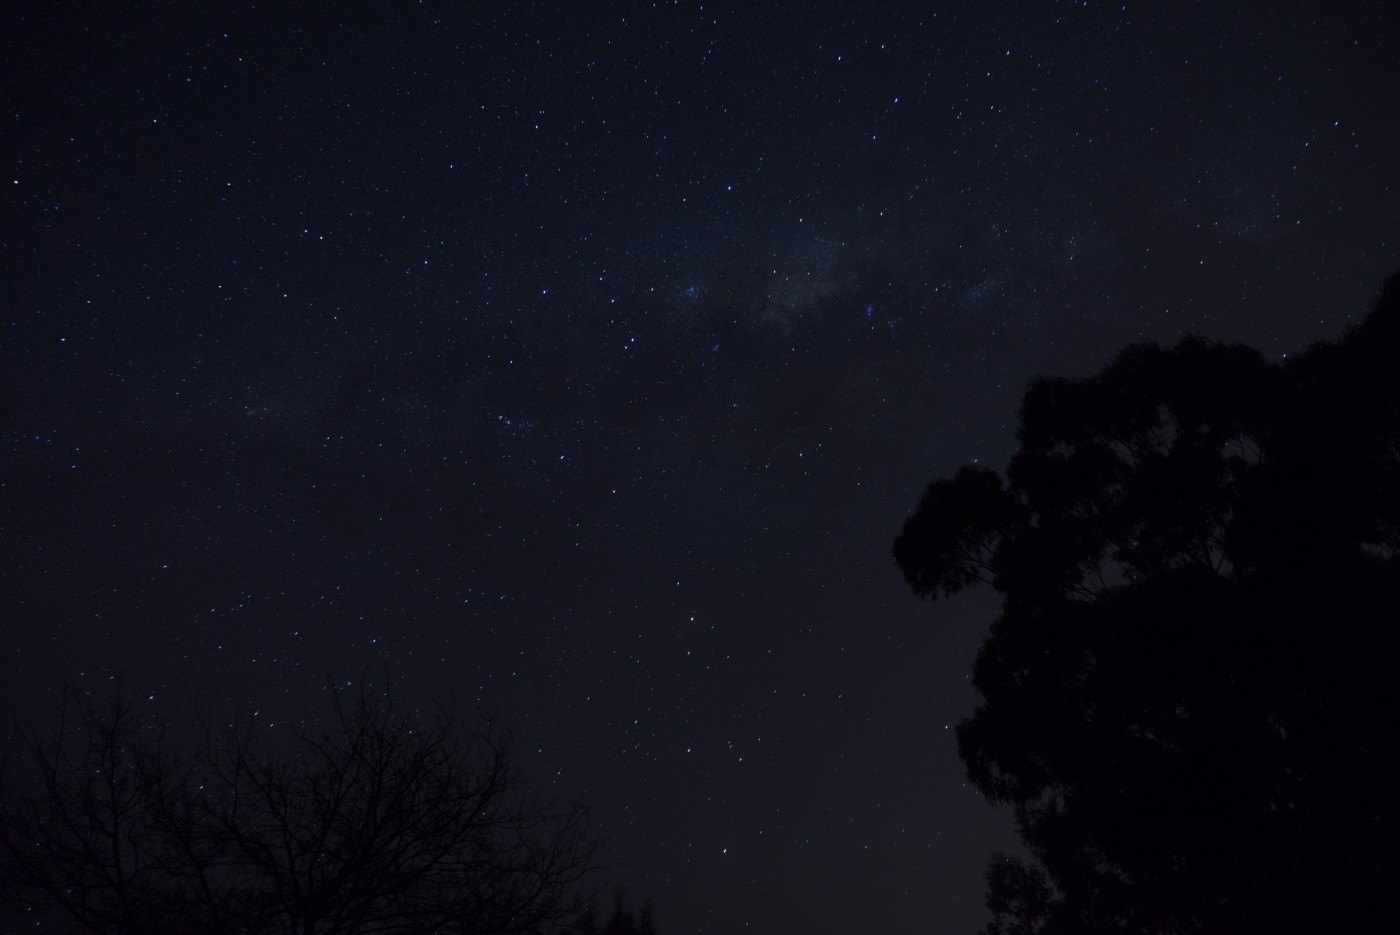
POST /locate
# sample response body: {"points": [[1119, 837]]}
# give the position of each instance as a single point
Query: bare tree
{"points": [[381, 821], [80, 836]]}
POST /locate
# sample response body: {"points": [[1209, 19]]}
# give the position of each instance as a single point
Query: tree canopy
{"points": [[1188, 695]]}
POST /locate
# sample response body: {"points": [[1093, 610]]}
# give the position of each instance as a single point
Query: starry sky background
{"points": [[581, 361]]}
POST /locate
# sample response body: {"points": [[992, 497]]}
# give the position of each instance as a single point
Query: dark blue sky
{"points": [[582, 364]]}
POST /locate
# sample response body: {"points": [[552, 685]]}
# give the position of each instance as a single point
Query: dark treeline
{"points": [[621, 921], [1189, 696]]}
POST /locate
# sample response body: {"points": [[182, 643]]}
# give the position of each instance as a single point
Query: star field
{"points": [[579, 362]]}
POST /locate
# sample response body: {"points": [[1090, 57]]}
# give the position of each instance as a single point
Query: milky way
{"points": [[582, 363]]}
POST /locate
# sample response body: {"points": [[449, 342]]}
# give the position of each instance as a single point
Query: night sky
{"points": [[580, 362]]}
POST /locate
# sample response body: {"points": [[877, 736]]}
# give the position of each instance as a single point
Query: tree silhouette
{"points": [[621, 921], [381, 821], [1188, 695]]}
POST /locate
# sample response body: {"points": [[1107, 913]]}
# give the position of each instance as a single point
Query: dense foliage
{"points": [[1189, 694]]}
